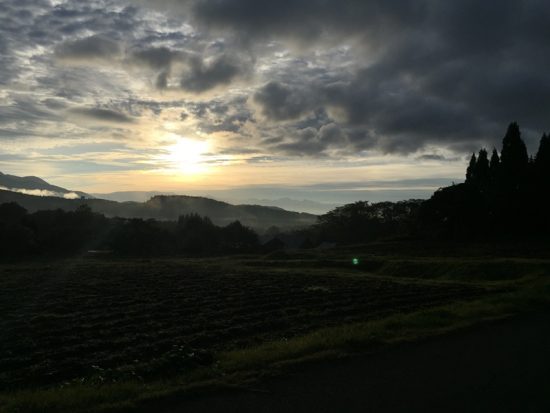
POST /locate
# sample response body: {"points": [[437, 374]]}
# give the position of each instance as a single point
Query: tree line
{"points": [[504, 196], [69, 233]]}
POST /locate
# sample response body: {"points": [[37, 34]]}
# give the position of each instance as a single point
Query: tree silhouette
{"points": [[236, 236], [514, 151], [470, 171], [11, 213], [514, 158], [505, 197], [542, 159], [494, 166], [481, 170]]}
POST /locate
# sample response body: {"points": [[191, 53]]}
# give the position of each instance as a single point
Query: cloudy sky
{"points": [[313, 96]]}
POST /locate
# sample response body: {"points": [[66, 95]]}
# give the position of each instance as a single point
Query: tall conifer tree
{"points": [[542, 159], [481, 171], [513, 157], [470, 170]]}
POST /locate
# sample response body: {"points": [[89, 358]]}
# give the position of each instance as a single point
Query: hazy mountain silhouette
{"points": [[32, 185], [134, 196], [170, 208], [287, 203], [291, 204]]}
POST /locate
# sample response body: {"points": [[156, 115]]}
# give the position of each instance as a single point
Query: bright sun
{"points": [[187, 156]]}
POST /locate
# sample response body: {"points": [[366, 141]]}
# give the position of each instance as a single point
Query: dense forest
{"points": [[504, 196]]}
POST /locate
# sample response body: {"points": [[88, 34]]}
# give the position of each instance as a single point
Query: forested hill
{"points": [[170, 208]]}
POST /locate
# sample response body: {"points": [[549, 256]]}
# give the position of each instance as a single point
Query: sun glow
{"points": [[188, 156]]}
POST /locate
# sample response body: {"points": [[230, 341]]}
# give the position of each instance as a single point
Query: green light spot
{"points": [[355, 261]]}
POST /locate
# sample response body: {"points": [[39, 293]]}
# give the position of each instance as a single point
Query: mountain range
{"points": [[24, 191], [288, 203]]}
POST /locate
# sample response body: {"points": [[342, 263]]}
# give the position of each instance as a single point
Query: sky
{"points": [[324, 100]]}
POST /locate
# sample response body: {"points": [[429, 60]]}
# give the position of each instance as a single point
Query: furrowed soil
{"points": [[95, 321]]}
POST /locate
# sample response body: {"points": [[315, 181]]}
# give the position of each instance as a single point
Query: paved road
{"points": [[498, 367]]}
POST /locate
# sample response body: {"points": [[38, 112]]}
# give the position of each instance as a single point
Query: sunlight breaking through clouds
{"points": [[187, 156], [252, 85]]}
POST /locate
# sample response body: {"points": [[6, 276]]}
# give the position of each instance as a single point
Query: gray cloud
{"points": [[159, 59], [106, 115], [93, 47], [331, 134], [436, 157], [24, 111], [221, 116], [281, 102], [203, 76], [156, 57], [306, 19], [202, 72]]}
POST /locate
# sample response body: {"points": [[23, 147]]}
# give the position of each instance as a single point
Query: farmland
{"points": [[74, 320], [102, 321]]}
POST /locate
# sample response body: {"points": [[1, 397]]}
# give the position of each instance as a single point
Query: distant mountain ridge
{"points": [[287, 203], [125, 196], [164, 207], [33, 185], [35, 194]]}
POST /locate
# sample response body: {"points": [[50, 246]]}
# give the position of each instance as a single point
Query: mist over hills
{"points": [[33, 185], [291, 204], [35, 194], [133, 196], [287, 203]]}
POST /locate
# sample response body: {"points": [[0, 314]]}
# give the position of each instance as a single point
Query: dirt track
{"points": [[498, 367]]}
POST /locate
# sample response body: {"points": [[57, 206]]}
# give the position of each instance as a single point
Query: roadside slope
{"points": [[501, 366]]}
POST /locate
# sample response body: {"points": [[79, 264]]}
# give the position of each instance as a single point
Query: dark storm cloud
{"points": [[100, 114]]}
